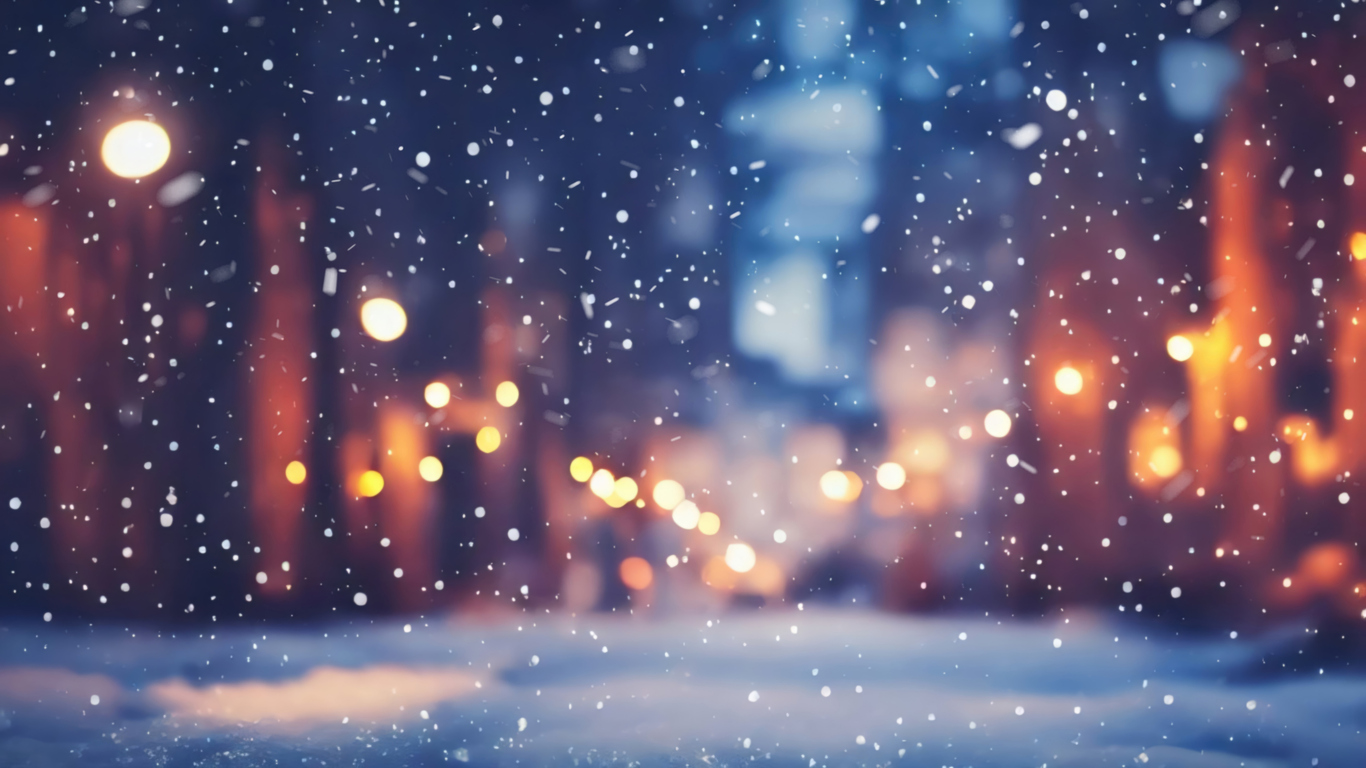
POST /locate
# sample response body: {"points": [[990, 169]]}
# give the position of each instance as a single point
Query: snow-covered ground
{"points": [[784, 688]]}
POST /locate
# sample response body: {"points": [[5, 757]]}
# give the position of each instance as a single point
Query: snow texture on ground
{"points": [[808, 688]]}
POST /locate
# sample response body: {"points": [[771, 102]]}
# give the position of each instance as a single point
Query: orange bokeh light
{"points": [[636, 573]]}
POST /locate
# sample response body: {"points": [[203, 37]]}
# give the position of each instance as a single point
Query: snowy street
{"points": [[839, 688]]}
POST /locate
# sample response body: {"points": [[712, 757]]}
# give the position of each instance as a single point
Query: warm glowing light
{"points": [[926, 453], [506, 394], [581, 468], [855, 486], [636, 573], [965, 432], [135, 149], [708, 523], [835, 484], [1067, 380], [740, 557], [295, 472], [1239, 423], [369, 484], [1347, 414], [891, 476], [430, 469], [487, 439], [625, 489], [1264, 340], [997, 423], [1180, 348], [1165, 461], [437, 394], [1359, 246], [668, 494], [686, 515], [602, 483], [383, 319]]}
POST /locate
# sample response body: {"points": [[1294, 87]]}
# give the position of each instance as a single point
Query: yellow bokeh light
{"points": [[965, 432], [383, 319], [686, 515], [581, 468], [602, 483], [369, 484], [997, 423], [740, 557], [1180, 348], [1264, 340], [625, 489], [295, 472], [135, 149], [437, 394], [891, 476], [1239, 423], [506, 394], [668, 494], [1067, 380], [855, 486], [430, 469], [708, 523], [487, 439], [1358, 246], [1165, 461], [834, 484]]}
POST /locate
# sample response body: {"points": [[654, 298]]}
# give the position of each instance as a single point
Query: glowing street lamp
{"points": [[383, 319], [1180, 348], [1067, 380], [135, 149], [437, 394]]}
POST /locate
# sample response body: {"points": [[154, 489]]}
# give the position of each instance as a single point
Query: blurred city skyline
{"points": [[891, 291]]}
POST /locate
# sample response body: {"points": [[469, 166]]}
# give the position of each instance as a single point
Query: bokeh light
{"points": [[854, 488], [296, 472], [1239, 423], [383, 319], [430, 469], [740, 557], [506, 394], [487, 439], [1358, 246], [636, 573], [625, 489], [437, 394], [709, 523], [135, 149], [997, 423], [1165, 461], [369, 484], [891, 476], [581, 468], [602, 484], [1180, 348], [668, 494], [1067, 380], [835, 485], [686, 515]]}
